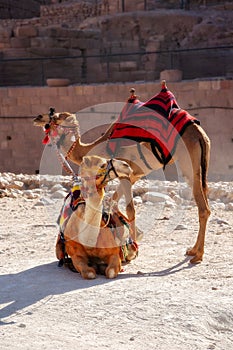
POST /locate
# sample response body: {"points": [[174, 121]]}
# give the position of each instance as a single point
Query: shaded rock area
{"points": [[21, 9], [49, 188]]}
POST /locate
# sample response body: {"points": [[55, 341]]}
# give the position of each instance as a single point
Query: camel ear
{"points": [[70, 118], [63, 115]]}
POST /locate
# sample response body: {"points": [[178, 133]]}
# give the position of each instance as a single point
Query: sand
{"points": [[160, 301]]}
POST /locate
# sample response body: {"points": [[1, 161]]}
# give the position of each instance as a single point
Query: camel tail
{"points": [[205, 156]]}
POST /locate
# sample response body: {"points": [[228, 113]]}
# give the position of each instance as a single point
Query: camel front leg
{"points": [[125, 188], [203, 212], [114, 266]]}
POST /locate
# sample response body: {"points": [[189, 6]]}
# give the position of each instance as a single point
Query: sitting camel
{"points": [[90, 238], [191, 150]]}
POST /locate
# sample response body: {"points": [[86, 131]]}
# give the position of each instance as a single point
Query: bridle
{"points": [[63, 159], [110, 167], [102, 172], [57, 143]]}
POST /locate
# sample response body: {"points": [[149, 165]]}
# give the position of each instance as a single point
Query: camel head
{"points": [[65, 119], [57, 125], [102, 171]]}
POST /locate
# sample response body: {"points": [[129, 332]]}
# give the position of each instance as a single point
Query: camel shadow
{"points": [[26, 288], [174, 269], [21, 290], [182, 265]]}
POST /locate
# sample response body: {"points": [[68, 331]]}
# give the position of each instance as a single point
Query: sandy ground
{"points": [[159, 302]]}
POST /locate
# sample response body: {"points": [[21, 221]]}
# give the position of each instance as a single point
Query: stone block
{"points": [[113, 66], [45, 91], [57, 82], [36, 42], [137, 75], [34, 100], [216, 84], [16, 52], [9, 101], [172, 75], [29, 92], [128, 65], [62, 90], [205, 85], [150, 65], [78, 90], [226, 84], [20, 42], [26, 31], [153, 45], [78, 43], [3, 92], [88, 90], [5, 33], [17, 111]]}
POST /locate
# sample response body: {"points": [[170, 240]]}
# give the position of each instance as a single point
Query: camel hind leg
{"points": [[197, 149]]}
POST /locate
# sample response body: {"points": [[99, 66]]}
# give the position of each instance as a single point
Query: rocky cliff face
{"points": [[94, 41], [21, 9]]}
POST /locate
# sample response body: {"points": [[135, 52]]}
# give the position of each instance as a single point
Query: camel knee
{"points": [[130, 210], [204, 214]]}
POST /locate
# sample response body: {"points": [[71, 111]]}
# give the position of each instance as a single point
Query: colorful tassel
{"points": [[47, 131], [45, 140]]}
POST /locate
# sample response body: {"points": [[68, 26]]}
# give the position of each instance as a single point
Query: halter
{"points": [[110, 167], [102, 172]]}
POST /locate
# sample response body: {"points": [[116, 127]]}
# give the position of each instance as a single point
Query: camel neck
{"points": [[66, 140], [92, 219]]}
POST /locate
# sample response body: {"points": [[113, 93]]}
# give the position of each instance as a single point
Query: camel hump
{"points": [[163, 84]]}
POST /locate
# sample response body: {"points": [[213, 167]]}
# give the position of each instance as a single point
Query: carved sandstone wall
{"points": [[20, 142], [79, 29]]}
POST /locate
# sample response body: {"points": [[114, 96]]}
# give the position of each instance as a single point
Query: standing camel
{"points": [[191, 148]]}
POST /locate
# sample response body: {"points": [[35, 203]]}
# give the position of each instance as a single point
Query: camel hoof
{"points": [[111, 273], [196, 260], [91, 275], [197, 256]]}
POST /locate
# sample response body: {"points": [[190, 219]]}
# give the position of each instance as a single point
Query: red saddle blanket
{"points": [[159, 121]]}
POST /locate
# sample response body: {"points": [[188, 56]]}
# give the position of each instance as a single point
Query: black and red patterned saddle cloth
{"points": [[159, 121]]}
